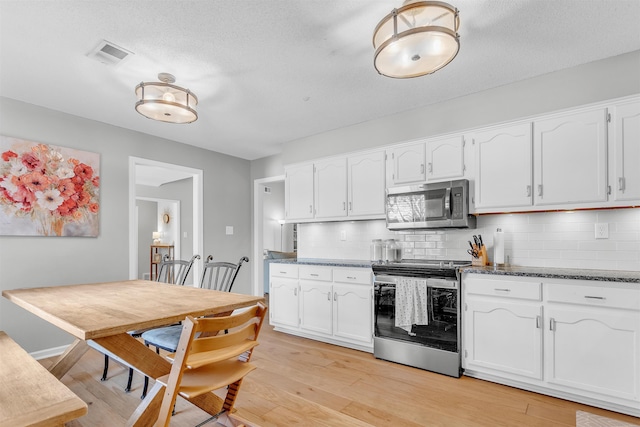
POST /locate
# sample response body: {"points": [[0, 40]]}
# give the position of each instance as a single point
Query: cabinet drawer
{"points": [[352, 275], [599, 296], [284, 270], [504, 288], [315, 273]]}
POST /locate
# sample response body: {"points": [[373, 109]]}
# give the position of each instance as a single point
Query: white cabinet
{"points": [[503, 167], [332, 304], [283, 295], [407, 164], [592, 340], [625, 177], [298, 196], [503, 326], [445, 158], [366, 184], [330, 181], [570, 159], [573, 339]]}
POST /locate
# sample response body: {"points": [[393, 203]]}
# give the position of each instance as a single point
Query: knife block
{"points": [[482, 259]]}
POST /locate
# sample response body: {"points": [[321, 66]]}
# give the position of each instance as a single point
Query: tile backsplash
{"points": [[545, 239]]}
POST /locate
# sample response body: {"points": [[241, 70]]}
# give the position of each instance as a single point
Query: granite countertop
{"points": [[326, 262], [559, 273]]}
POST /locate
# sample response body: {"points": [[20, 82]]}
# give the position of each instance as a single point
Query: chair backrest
{"points": [[175, 271], [220, 276], [206, 360]]}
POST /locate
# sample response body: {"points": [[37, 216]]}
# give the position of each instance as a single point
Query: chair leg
{"points": [[129, 381], [145, 387], [106, 368]]}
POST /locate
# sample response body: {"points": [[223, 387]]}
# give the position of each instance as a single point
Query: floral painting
{"points": [[47, 190]]}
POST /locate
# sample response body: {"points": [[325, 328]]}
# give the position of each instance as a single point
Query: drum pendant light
{"points": [[417, 39], [165, 101]]}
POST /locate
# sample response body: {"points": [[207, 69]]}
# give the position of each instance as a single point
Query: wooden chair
{"points": [[205, 361], [175, 272]]}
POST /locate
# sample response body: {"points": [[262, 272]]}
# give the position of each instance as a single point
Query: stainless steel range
{"points": [[417, 320]]}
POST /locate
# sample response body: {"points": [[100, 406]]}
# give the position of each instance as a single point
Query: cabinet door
{"points": [[331, 188], [366, 179], [593, 349], [570, 157], [408, 164], [627, 152], [503, 165], [445, 158], [299, 192], [504, 336], [315, 306], [352, 313], [283, 301]]}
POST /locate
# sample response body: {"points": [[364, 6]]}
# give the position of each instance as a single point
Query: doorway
{"points": [[170, 171]]}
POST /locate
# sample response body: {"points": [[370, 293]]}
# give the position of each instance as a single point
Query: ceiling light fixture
{"points": [[165, 101], [417, 39]]}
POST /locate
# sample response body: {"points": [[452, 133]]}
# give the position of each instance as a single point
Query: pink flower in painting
{"points": [[31, 161], [37, 182], [7, 155]]}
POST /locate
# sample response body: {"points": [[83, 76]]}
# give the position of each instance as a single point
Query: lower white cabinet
{"points": [[332, 304], [573, 339]]}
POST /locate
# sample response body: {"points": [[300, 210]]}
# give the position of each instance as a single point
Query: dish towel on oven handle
{"points": [[412, 304]]}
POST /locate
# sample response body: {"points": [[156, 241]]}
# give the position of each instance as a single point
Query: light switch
{"points": [[229, 230], [184, 234], [343, 234]]}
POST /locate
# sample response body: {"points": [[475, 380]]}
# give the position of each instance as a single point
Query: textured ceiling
{"points": [[271, 71]]}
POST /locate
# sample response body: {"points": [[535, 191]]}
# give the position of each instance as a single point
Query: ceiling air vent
{"points": [[109, 53]]}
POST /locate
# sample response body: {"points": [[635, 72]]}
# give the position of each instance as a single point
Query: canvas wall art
{"points": [[46, 190]]}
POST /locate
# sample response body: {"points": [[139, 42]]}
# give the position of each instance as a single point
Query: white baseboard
{"points": [[49, 352]]}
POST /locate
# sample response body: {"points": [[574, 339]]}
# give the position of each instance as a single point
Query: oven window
{"points": [[406, 208], [435, 319]]}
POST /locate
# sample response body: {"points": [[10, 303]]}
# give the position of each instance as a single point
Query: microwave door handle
{"points": [[447, 202]]}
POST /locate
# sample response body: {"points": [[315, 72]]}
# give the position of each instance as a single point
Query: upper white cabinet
{"points": [[331, 188], [366, 184], [408, 164], [298, 194], [445, 158], [337, 188], [570, 159], [503, 166], [625, 176]]}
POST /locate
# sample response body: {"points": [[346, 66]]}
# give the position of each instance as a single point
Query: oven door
{"points": [[422, 311]]}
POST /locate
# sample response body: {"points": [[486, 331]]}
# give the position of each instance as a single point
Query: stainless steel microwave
{"points": [[432, 205]]}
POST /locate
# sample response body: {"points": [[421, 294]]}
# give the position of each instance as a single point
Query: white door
{"points": [[408, 163], [315, 306], [366, 184], [283, 301], [298, 194], [352, 312], [504, 336], [596, 350], [627, 152], [570, 157], [503, 165], [331, 188], [445, 158]]}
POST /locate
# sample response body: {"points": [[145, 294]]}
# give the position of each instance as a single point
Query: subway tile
{"points": [[628, 265]]}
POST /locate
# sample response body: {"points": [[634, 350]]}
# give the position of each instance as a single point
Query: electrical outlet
{"points": [[343, 234], [229, 230], [602, 231]]}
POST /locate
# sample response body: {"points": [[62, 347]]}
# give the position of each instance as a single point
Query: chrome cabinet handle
{"points": [[344, 206], [528, 191], [313, 274], [538, 322], [351, 277], [350, 206], [540, 190], [295, 292], [621, 184], [335, 296], [552, 324], [430, 167], [502, 289], [422, 168], [594, 297], [329, 296]]}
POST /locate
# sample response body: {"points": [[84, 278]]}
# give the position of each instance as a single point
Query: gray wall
{"points": [[47, 261]]}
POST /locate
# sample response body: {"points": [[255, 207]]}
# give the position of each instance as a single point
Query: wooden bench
{"points": [[29, 394]]}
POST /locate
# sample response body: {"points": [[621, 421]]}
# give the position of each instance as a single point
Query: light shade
{"points": [[165, 101], [417, 39]]}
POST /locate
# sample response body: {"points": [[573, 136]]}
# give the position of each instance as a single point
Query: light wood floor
{"points": [[308, 383]]}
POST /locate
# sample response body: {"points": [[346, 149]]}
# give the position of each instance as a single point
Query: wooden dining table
{"points": [[101, 314]]}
